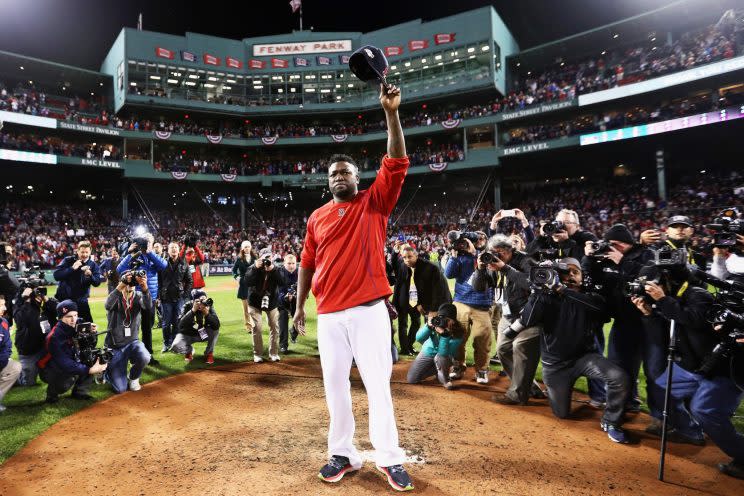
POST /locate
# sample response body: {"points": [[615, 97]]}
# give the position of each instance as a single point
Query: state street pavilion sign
{"points": [[269, 49]]}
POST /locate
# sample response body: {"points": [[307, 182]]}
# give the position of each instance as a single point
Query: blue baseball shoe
{"points": [[397, 477]]}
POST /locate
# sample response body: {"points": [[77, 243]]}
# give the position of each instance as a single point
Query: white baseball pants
{"points": [[361, 333]]}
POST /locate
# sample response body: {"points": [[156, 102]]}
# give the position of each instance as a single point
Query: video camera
{"points": [[457, 238], [544, 275], [671, 263], [35, 279], [86, 341], [190, 239], [725, 227]]}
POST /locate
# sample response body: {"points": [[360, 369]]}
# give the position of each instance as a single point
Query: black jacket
{"points": [[431, 285], [569, 323], [238, 271], [695, 335], [174, 280], [513, 280], [260, 283], [613, 283], [190, 323], [29, 338], [9, 286], [573, 247], [289, 279]]}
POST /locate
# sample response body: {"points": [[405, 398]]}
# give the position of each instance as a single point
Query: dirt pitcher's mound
{"points": [[261, 429]]}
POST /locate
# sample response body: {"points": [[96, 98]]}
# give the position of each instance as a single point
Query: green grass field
{"points": [[27, 415]]}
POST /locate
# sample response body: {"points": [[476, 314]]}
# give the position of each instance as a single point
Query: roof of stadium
{"points": [[53, 30]]}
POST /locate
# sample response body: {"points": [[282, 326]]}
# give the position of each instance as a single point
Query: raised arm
{"points": [[390, 100]]}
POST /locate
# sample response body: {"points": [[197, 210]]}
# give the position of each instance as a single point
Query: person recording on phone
{"points": [[263, 281], [441, 337], [507, 270], [60, 367], [35, 315], [76, 274], [124, 307]]}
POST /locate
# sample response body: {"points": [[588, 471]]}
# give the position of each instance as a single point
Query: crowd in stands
{"points": [[43, 235], [56, 146], [606, 121]]}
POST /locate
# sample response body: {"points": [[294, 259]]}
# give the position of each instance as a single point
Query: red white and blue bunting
{"points": [[228, 177], [215, 139], [164, 135], [438, 167], [180, 175], [339, 138], [451, 123], [269, 141]]}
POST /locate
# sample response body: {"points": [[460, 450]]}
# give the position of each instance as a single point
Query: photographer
{"points": [[507, 270], [563, 235], [10, 370], [473, 310], [420, 288], [9, 285], [174, 286], [679, 231], [242, 264], [441, 338], [199, 322], [34, 318], [124, 307], [570, 318], [703, 392], [61, 367], [287, 301], [141, 257], [76, 274], [263, 281], [512, 223], [612, 263], [108, 269]]}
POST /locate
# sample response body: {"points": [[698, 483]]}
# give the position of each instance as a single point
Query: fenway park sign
{"points": [[300, 48]]}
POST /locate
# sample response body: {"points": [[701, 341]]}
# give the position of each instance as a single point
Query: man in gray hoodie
{"points": [[124, 309]]}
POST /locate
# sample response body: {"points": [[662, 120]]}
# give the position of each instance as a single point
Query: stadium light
{"points": [[193, 76], [132, 84], [437, 57], [208, 85], [518, 64], [140, 230], [485, 48], [212, 78], [21, 67], [188, 83], [171, 81], [471, 49], [456, 60], [615, 36], [407, 64], [157, 78], [604, 52], [472, 57], [393, 67], [423, 61]]}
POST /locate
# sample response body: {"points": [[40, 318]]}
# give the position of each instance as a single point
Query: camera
{"points": [[292, 290], [135, 274], [488, 258], [265, 302], [265, 262], [457, 239], [86, 341], [441, 322], [637, 287], [667, 256], [725, 227], [599, 248], [544, 275], [35, 279], [207, 302], [552, 227], [190, 239]]}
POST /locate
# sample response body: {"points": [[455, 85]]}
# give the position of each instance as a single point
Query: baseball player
{"points": [[342, 257]]}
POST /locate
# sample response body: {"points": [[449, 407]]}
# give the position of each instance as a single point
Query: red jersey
{"points": [[345, 243]]}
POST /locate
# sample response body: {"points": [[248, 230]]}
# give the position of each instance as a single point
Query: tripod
{"points": [[667, 394]]}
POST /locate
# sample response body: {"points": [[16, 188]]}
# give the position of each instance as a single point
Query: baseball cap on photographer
{"points": [[66, 306], [569, 261], [679, 219], [369, 64]]}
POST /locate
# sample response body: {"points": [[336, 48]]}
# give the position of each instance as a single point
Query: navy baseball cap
{"points": [[65, 307], [369, 64], [679, 219]]}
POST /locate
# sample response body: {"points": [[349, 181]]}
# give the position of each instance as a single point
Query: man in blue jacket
{"points": [[152, 264], [10, 370], [76, 274], [473, 310], [61, 368]]}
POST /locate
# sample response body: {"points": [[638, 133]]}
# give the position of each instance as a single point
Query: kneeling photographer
{"points": [[199, 322], [570, 316], [263, 281], [441, 338], [124, 309], [504, 268], [611, 263], [709, 341], [68, 364], [34, 318]]}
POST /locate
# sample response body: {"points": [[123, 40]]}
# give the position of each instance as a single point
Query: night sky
{"points": [[80, 32]]}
